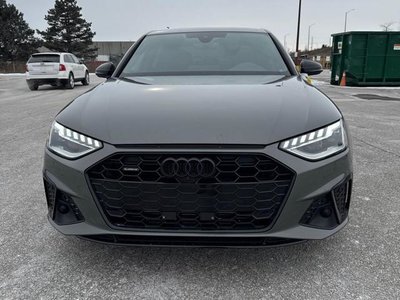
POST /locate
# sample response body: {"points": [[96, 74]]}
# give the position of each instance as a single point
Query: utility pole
{"points": [[284, 41], [309, 34], [345, 18], [297, 54]]}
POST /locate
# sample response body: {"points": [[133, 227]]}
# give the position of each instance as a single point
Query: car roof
{"points": [[208, 29]]}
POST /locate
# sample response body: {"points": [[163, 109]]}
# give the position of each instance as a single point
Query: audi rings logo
{"points": [[192, 167]]}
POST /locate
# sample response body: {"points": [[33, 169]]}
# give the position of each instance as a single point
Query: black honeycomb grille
{"points": [[244, 192], [228, 169]]}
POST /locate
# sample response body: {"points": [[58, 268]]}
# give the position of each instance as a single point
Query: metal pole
{"points": [[298, 36], [345, 18], [284, 41], [309, 33]]}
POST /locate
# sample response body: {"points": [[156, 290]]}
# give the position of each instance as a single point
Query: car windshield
{"points": [[206, 53], [44, 58]]}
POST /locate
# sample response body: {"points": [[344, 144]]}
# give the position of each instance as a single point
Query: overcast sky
{"points": [[129, 19]]}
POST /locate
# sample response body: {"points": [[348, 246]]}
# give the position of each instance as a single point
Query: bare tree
{"points": [[386, 26]]}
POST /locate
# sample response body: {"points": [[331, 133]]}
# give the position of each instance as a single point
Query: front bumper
{"points": [[312, 180]]}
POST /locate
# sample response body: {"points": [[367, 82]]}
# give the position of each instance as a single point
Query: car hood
{"points": [[128, 113]]}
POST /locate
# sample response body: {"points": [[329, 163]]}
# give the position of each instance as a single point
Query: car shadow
{"points": [[52, 88]]}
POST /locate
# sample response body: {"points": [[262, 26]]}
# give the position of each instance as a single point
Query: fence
{"points": [[12, 67]]}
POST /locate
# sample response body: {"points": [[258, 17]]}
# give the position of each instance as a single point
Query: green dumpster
{"points": [[367, 58]]}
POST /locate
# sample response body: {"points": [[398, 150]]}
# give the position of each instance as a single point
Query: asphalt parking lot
{"points": [[360, 262]]}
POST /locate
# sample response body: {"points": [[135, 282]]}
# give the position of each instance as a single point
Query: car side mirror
{"points": [[310, 67], [81, 61], [105, 70]]}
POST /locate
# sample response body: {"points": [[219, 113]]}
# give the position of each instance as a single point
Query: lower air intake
{"points": [[329, 210], [341, 198], [62, 208]]}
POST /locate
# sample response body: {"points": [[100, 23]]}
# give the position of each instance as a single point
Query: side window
{"points": [[67, 58], [76, 60]]}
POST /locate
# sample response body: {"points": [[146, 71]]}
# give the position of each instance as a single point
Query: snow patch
{"points": [[12, 74]]}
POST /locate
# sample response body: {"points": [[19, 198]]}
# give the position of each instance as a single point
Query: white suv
{"points": [[57, 69]]}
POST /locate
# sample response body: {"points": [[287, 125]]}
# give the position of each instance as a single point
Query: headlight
{"points": [[319, 143], [69, 143]]}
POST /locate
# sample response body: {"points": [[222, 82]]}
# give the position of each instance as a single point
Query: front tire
{"points": [[33, 86], [71, 82], [86, 81]]}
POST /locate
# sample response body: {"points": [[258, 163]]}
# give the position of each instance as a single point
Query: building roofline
{"points": [[49, 52], [113, 41]]}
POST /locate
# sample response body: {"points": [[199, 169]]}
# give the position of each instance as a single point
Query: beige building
{"points": [[111, 50], [321, 55]]}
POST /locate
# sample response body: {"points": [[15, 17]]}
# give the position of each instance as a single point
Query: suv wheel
{"points": [[86, 81], [71, 81], [33, 86]]}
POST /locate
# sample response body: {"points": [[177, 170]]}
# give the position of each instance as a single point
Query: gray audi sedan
{"points": [[200, 137]]}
